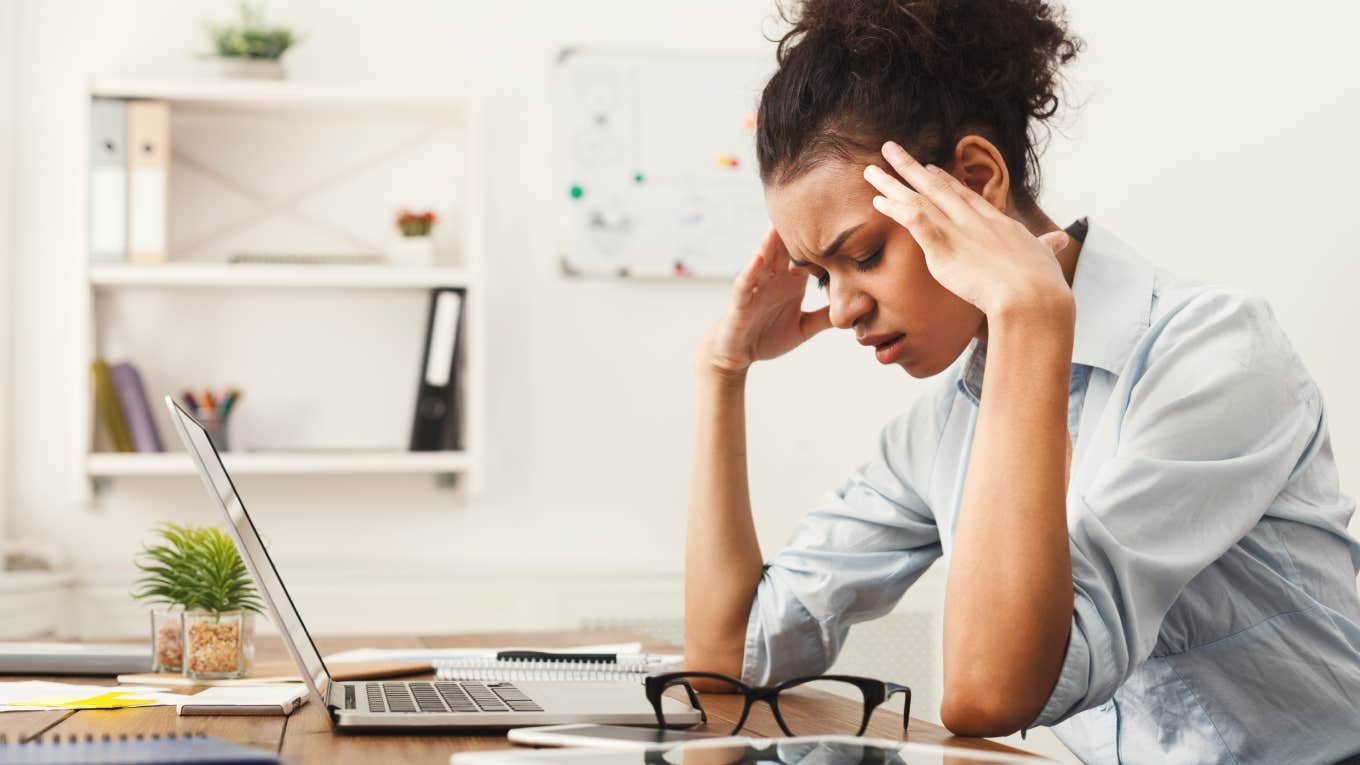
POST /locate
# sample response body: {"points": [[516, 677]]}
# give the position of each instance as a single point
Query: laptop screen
{"points": [[218, 483]]}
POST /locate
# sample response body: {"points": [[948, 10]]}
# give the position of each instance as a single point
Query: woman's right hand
{"points": [[766, 319]]}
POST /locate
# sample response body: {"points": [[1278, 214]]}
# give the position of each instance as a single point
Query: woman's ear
{"points": [[978, 164]]}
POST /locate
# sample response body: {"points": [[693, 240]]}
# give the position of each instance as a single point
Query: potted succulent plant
{"points": [[415, 247], [251, 48], [205, 596]]}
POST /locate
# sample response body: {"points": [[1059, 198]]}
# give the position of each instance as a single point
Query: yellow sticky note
{"points": [[110, 700]]}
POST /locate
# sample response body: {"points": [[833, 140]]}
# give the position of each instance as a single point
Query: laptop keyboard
{"points": [[447, 696]]}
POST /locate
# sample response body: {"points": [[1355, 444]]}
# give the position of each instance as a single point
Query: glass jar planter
{"points": [[167, 639], [218, 645]]}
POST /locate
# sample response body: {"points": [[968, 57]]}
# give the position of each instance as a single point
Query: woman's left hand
{"points": [[973, 249]]}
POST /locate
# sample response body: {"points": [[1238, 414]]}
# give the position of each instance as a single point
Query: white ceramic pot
{"points": [[412, 251], [252, 68]]}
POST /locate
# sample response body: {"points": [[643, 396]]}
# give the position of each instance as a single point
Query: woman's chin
{"points": [[920, 367]]}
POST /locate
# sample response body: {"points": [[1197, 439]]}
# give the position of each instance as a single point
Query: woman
{"points": [[1129, 475]]}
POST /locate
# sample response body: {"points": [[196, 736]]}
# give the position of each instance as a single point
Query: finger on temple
{"points": [[923, 220], [778, 253], [932, 186], [747, 277]]}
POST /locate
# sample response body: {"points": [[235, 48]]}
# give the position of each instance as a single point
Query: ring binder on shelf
{"points": [[437, 422], [148, 162], [108, 180]]}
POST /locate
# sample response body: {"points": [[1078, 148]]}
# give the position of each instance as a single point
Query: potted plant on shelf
{"points": [[415, 248], [205, 596], [251, 48]]}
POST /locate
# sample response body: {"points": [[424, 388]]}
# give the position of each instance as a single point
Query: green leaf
{"points": [[197, 568]]}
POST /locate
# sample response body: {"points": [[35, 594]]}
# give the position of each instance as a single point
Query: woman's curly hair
{"points": [[855, 73]]}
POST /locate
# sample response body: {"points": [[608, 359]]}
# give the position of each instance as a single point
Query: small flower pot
{"points": [[252, 68], [167, 639], [218, 645], [412, 251]]}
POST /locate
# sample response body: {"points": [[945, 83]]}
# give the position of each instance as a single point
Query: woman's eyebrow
{"points": [[830, 248]]}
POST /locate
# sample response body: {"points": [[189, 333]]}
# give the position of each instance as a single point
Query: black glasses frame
{"points": [[876, 692]]}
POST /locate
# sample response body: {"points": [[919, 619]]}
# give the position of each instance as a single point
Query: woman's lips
{"points": [[886, 352]]}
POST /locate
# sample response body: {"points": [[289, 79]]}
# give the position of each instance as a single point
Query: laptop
{"points": [[410, 704]]}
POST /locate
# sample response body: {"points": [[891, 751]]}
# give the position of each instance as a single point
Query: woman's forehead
{"points": [[810, 211]]}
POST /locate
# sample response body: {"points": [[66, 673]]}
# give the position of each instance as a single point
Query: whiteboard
{"points": [[657, 158]]}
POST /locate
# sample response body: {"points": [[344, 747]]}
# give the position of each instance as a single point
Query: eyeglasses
{"points": [[792, 701]]}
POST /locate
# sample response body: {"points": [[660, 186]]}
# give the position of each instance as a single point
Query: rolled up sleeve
{"points": [[850, 560], [1217, 413]]}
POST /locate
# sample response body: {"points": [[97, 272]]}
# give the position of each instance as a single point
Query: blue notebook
{"points": [[131, 751]]}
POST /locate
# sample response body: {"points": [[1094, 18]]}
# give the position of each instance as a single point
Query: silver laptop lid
{"points": [[242, 529]]}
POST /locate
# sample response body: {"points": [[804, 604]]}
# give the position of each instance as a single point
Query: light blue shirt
{"points": [[1216, 617]]}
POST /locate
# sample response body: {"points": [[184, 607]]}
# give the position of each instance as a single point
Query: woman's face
{"points": [[873, 271]]}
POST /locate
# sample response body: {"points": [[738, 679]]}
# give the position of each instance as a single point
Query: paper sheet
{"points": [[38, 694], [436, 654]]}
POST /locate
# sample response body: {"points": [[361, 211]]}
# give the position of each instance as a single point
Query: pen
{"points": [[229, 401], [597, 658], [188, 398], [209, 403]]}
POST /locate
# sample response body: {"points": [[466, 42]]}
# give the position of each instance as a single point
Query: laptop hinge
{"points": [[335, 695]]}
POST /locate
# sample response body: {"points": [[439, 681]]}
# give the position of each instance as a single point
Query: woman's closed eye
{"points": [[863, 264]]}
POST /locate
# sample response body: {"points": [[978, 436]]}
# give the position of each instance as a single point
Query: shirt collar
{"points": [[1113, 292]]}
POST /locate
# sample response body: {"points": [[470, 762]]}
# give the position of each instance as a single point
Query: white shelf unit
{"points": [[106, 275], [113, 465], [457, 109]]}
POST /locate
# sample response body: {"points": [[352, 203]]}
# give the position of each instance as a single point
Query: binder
{"points": [[108, 415], [108, 180], [437, 422], [127, 384], [148, 163]]}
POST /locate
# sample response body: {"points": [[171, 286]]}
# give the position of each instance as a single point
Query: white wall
{"points": [[1214, 138], [8, 38]]}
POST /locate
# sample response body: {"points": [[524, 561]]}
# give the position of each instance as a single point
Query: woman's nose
{"points": [[847, 305]]}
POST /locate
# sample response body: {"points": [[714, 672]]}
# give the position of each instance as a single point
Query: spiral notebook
{"points": [[124, 750], [542, 666]]}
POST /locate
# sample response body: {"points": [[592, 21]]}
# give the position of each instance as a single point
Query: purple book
{"points": [[127, 383]]}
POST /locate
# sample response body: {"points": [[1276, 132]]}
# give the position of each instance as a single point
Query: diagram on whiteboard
{"points": [[657, 154]]}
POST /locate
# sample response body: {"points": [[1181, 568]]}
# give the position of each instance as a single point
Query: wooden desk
{"points": [[306, 736]]}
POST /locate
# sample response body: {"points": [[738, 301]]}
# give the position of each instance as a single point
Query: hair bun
{"points": [[1005, 49], [855, 71]]}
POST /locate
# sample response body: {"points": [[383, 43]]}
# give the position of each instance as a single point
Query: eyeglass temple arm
{"points": [[694, 701], [892, 688]]}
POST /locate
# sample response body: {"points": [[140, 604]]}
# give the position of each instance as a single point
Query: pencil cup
{"points": [[217, 429]]}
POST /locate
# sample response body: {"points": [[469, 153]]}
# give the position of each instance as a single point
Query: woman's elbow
{"points": [[983, 712]]}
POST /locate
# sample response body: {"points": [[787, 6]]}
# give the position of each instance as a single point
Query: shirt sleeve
{"points": [[1213, 427], [850, 560]]}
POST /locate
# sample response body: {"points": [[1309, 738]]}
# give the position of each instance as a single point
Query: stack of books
{"points": [[122, 412]]}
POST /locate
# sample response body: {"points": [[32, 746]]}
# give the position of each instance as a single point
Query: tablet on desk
{"points": [[806, 750], [603, 736]]}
